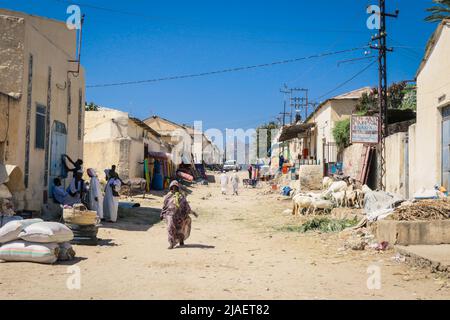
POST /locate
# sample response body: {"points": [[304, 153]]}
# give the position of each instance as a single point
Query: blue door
{"points": [[446, 148], [58, 148]]}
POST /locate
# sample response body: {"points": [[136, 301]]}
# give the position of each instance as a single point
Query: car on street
{"points": [[231, 165]]}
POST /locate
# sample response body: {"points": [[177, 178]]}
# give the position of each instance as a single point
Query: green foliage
{"points": [[367, 102], [323, 224], [269, 127], [400, 96], [341, 133], [440, 11], [409, 101], [91, 107]]}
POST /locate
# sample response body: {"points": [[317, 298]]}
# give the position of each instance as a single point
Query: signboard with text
{"points": [[364, 130]]}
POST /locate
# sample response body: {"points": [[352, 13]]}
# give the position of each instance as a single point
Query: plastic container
{"points": [[158, 182]]}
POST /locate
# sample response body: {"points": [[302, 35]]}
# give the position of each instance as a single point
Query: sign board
{"points": [[364, 130]]}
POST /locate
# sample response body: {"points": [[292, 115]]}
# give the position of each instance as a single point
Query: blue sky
{"points": [[144, 39]]}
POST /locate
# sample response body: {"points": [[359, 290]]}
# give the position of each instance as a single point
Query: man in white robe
{"points": [[235, 182], [111, 200], [95, 194], [224, 182]]}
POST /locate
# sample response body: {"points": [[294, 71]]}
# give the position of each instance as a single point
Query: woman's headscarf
{"points": [[91, 172]]}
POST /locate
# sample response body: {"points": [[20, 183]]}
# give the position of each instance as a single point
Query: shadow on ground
{"points": [[195, 246], [135, 219]]}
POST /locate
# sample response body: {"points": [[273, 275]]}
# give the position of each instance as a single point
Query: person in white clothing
{"points": [[111, 200], [235, 182], [95, 194], [224, 182]]}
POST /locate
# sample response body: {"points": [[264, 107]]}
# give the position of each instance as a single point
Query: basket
{"points": [[80, 217]]}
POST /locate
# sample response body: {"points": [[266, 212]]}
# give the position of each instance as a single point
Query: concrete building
{"points": [[430, 137], [114, 137], [42, 98], [318, 143], [184, 139], [175, 134]]}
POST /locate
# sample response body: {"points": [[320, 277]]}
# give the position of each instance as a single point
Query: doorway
{"points": [[446, 147], [58, 148]]}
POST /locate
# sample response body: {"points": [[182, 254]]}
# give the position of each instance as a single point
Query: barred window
{"points": [[41, 114]]}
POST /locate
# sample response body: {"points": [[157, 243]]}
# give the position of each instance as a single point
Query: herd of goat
{"points": [[336, 194]]}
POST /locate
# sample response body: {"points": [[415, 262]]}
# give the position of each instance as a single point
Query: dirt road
{"points": [[236, 251]]}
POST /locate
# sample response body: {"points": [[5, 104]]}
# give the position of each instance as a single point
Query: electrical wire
{"points": [[227, 70], [347, 81]]}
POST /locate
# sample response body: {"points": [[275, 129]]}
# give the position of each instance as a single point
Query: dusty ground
{"points": [[236, 251]]}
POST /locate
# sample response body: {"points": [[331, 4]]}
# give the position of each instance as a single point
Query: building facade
{"points": [[42, 98], [430, 155], [113, 137]]}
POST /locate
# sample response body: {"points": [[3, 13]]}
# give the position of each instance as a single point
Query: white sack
{"points": [[29, 252], [46, 232], [11, 230]]}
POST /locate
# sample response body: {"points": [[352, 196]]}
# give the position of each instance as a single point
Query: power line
{"points": [[347, 81], [228, 70]]}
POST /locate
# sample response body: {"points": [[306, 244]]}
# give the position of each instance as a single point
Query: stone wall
{"points": [[12, 38], [311, 177]]}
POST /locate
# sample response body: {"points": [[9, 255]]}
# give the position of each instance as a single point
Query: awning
{"points": [[159, 155], [293, 131]]}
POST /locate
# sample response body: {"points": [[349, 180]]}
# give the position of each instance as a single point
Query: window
{"points": [[41, 113]]}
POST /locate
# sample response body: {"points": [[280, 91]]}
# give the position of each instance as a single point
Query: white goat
{"points": [[321, 204], [326, 183], [301, 203], [339, 198]]}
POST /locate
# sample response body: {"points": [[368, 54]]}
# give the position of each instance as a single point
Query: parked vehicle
{"points": [[231, 165]]}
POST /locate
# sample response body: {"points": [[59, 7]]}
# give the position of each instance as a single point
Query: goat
{"points": [[300, 204], [339, 198]]}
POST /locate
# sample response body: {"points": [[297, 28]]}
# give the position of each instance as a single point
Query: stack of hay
{"points": [[34, 240], [83, 224], [423, 210]]}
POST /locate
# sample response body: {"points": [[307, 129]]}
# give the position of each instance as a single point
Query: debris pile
{"points": [[423, 210]]}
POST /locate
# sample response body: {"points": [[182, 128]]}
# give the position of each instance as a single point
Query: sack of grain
{"points": [[12, 229], [29, 252], [47, 232]]}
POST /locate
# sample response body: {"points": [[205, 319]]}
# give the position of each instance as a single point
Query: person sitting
{"points": [[59, 194]]}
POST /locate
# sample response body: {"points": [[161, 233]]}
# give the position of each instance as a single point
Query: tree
{"points": [[400, 96], [409, 101], [440, 11], [269, 127], [91, 107], [341, 133]]}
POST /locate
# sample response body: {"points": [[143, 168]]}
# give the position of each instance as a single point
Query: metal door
{"points": [[58, 148]]}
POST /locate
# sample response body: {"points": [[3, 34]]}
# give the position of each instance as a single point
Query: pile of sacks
{"points": [[34, 240]]}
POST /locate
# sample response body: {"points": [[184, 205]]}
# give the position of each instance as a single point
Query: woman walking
{"points": [[176, 212]]}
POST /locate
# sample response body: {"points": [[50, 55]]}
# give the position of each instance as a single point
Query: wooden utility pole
{"points": [[382, 48]]}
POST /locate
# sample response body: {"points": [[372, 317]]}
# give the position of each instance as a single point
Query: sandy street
{"points": [[236, 251]]}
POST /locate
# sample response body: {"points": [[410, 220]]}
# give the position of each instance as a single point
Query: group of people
{"points": [[233, 180], [91, 193]]}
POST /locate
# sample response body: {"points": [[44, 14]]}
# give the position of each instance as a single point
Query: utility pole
{"points": [[382, 48]]}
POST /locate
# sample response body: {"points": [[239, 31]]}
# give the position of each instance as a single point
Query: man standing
{"points": [[95, 193], [281, 162], [111, 200], [76, 189], [235, 182], [224, 182]]}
